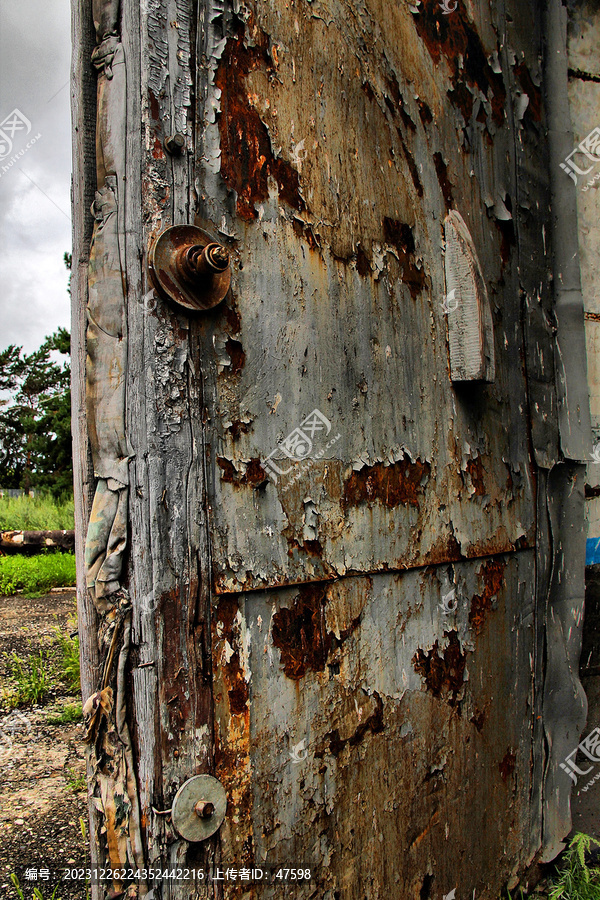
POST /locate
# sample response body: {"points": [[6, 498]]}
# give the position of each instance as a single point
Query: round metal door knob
{"points": [[188, 267], [199, 808]]}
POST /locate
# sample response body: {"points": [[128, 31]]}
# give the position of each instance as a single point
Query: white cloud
{"points": [[35, 229]]}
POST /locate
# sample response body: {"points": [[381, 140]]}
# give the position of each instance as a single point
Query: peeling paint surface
{"points": [[352, 595], [339, 302], [378, 730], [384, 565]]}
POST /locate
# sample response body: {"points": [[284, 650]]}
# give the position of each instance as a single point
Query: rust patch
{"points": [[443, 675], [424, 112], [445, 550], [234, 323], [492, 573], [400, 235], [442, 175], [478, 719], [157, 150], [236, 354], [154, 106], [363, 264], [507, 765], [254, 475], [374, 724], [238, 427], [475, 471], [300, 634], [305, 230], [313, 548], [233, 676], [391, 485], [174, 677], [455, 38], [247, 158]]}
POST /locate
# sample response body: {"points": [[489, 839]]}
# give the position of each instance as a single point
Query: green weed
{"points": [[69, 715], [37, 894], [31, 679], [40, 513], [36, 574], [69, 647], [576, 880], [76, 782]]}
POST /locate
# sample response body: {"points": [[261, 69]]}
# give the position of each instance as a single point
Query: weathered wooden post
{"points": [[315, 381]]}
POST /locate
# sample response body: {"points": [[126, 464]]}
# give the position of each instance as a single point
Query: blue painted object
{"points": [[592, 551]]}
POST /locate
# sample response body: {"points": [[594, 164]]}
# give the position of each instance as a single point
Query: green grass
{"points": [[35, 575], [76, 783], [69, 715], [39, 513], [37, 894], [575, 879], [31, 679], [33, 676], [69, 648]]}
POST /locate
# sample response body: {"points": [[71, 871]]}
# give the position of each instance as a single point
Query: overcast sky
{"points": [[35, 215]]}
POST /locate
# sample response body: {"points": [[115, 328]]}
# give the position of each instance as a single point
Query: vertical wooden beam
{"points": [[83, 102], [169, 569]]}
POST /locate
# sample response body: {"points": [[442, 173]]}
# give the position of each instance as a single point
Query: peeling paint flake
{"points": [[248, 159], [443, 673], [403, 482]]}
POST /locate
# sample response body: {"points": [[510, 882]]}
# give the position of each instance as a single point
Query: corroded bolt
{"points": [[198, 262], [175, 143], [204, 809], [218, 256]]}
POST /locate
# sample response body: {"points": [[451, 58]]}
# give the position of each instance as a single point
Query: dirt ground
{"points": [[42, 792]]}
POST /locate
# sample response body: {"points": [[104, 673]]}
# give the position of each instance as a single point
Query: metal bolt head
{"points": [[218, 256], [175, 143], [198, 808], [187, 266], [204, 809]]}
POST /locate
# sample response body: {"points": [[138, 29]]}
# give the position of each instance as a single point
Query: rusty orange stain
{"points": [[247, 157], [400, 483], [443, 674], [492, 573], [455, 38]]}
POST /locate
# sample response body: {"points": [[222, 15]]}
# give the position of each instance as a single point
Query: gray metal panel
{"points": [[338, 297], [386, 722]]}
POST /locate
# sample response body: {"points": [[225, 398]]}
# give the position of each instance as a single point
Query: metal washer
{"points": [[185, 820], [166, 278]]}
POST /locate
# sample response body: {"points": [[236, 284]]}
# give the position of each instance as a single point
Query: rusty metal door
{"points": [[372, 507], [341, 497]]}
